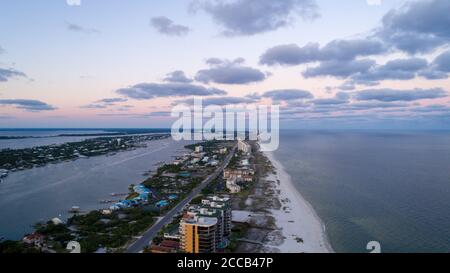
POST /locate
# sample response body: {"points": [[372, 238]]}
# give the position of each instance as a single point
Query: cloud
{"points": [[145, 91], [392, 95], [159, 114], [166, 26], [104, 103], [178, 77], [2, 50], [250, 17], [418, 26], [339, 69], [28, 105], [219, 101], [111, 100], [442, 62], [439, 68], [399, 69], [81, 29], [292, 54], [376, 105], [431, 108], [229, 72], [288, 94], [6, 74], [340, 98]]}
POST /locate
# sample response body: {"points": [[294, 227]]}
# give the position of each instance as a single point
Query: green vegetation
{"points": [[238, 231], [95, 230], [15, 247], [18, 159]]}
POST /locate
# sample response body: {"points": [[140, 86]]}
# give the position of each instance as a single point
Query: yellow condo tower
{"points": [[198, 234]]}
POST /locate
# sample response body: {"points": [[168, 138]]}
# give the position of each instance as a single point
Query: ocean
{"points": [[390, 187]]}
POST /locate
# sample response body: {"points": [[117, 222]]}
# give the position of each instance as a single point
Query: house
{"points": [[57, 221], [106, 212], [34, 239], [162, 203], [199, 149]]}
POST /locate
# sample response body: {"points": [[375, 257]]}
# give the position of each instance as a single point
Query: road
{"points": [[148, 236]]}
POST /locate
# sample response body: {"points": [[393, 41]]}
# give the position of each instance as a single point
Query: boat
{"points": [[118, 194], [107, 201]]}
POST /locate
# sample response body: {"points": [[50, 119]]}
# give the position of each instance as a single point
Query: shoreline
{"points": [[297, 219]]}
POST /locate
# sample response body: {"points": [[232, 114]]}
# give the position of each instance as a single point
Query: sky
{"points": [[369, 64]]}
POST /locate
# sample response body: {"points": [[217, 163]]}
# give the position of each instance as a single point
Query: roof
{"points": [[168, 243]]}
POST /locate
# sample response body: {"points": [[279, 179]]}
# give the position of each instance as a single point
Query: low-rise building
{"points": [[232, 185], [34, 239], [199, 149]]}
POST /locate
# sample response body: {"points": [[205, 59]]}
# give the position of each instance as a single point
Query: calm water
{"points": [[40, 194], [389, 187]]}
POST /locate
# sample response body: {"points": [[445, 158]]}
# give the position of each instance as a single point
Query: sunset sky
{"points": [[329, 64]]}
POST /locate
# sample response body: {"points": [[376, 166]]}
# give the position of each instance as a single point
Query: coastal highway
{"points": [[148, 236]]}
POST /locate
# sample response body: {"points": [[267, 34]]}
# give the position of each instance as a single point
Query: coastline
{"points": [[297, 219]]}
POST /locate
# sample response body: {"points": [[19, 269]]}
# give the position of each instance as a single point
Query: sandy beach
{"points": [[302, 229]]}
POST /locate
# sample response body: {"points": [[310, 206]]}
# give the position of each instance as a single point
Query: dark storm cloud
{"points": [[29, 105], [229, 72], [250, 17], [177, 76], [392, 95], [344, 50], [144, 91], [417, 27], [166, 26]]}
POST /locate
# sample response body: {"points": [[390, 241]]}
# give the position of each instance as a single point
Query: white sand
{"points": [[297, 219]]}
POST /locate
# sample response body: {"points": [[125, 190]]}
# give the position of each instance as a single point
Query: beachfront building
{"points": [[199, 149], [245, 174], [223, 204], [198, 234], [206, 227], [244, 147], [232, 185]]}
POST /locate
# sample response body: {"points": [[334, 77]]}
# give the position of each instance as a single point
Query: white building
{"points": [[199, 149], [232, 185], [244, 147]]}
